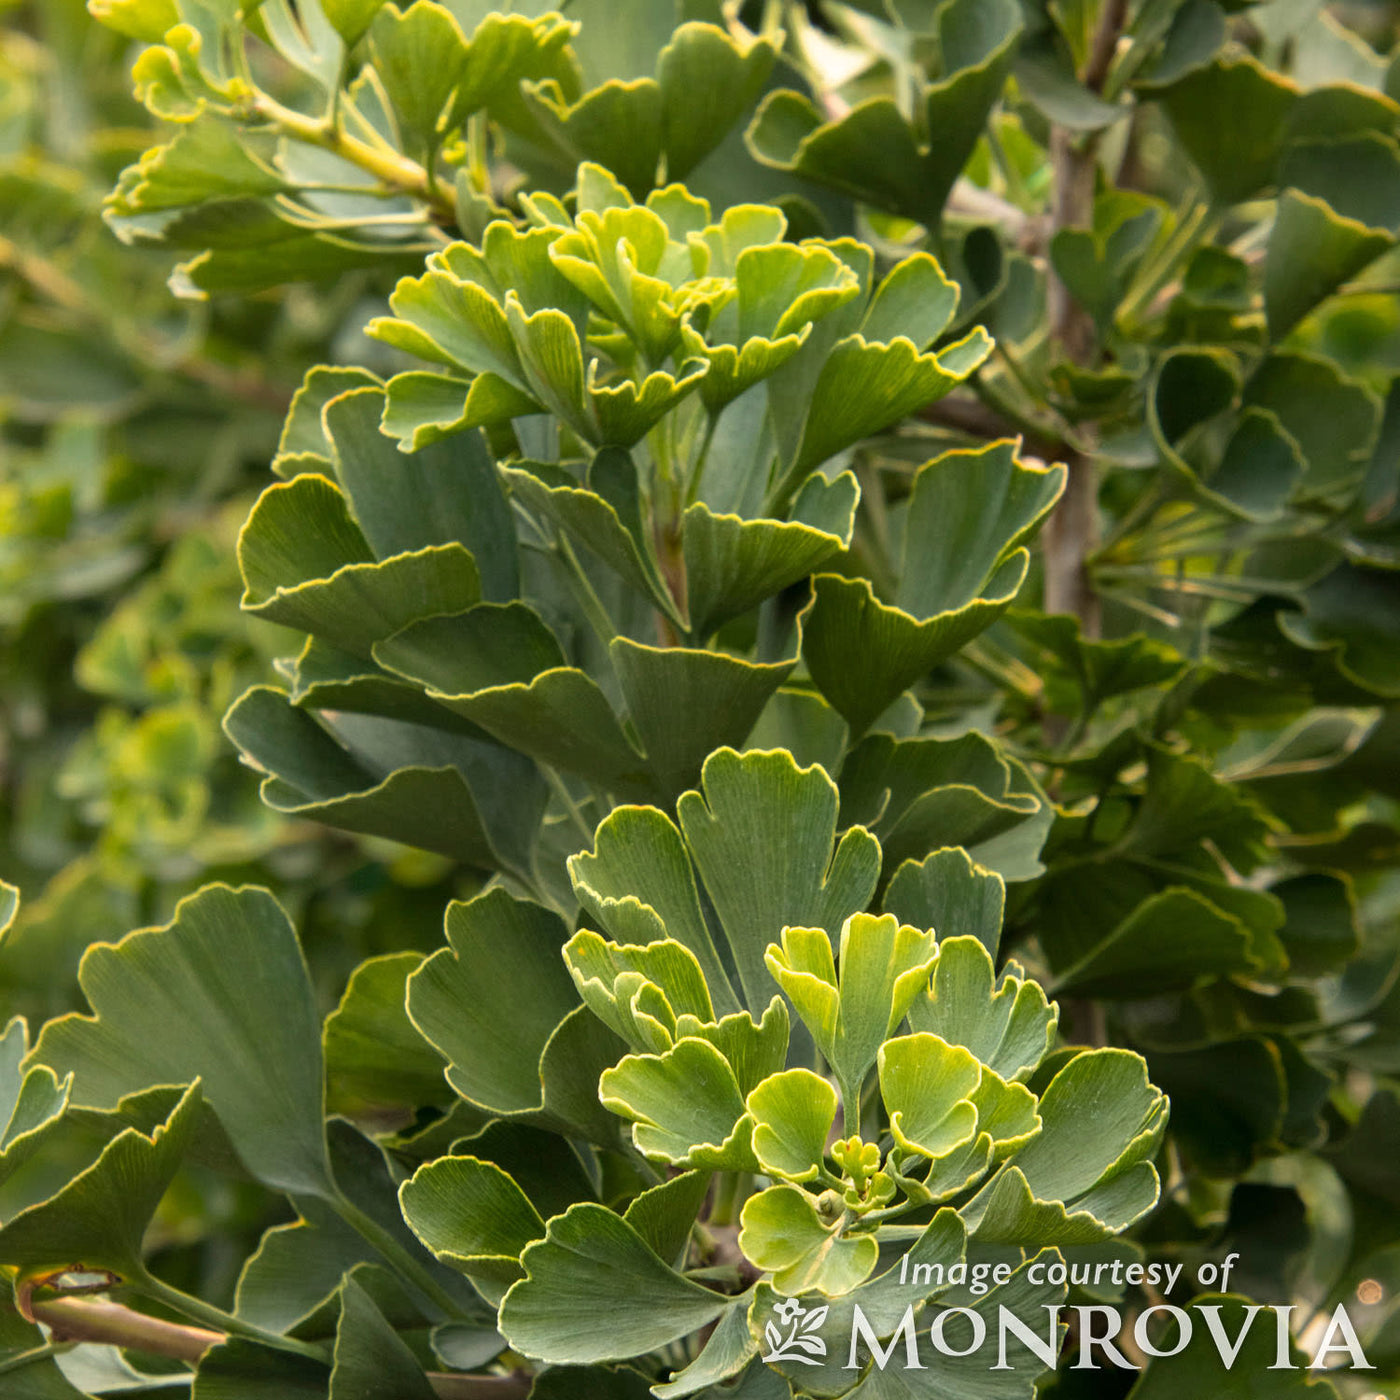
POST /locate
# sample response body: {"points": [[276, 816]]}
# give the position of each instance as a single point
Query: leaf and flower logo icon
{"points": [[799, 1344]]}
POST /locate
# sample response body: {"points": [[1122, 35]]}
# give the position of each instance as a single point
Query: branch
{"points": [[980, 420], [89, 1320], [72, 1320], [1104, 44], [1072, 531]]}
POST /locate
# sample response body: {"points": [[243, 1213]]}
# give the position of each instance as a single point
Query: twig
{"points": [[980, 420], [111, 1324], [90, 1320]]}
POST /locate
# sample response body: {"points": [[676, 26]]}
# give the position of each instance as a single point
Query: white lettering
{"points": [[1045, 1349], [1144, 1341], [1089, 1339], [1229, 1351], [1283, 1341], [861, 1331], [1350, 1343], [979, 1331]]}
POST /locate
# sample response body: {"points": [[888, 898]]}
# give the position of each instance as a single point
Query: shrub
{"points": [[838, 535]]}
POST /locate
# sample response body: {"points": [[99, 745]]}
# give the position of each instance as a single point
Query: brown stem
{"points": [[1104, 44], [1069, 537], [90, 1320], [72, 1320], [1072, 531], [980, 420]]}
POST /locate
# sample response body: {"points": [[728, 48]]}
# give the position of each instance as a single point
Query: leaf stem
{"points": [[197, 1310], [586, 594], [390, 167], [408, 1268], [28, 1358], [561, 791]]}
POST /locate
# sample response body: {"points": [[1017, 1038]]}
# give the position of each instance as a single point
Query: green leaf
{"points": [[1045, 71], [884, 966], [685, 703], [422, 408], [1186, 803], [927, 1086], [596, 1291], [1088, 1174], [968, 566], [241, 1370], [289, 1282], [732, 565], [1331, 417], [685, 1106], [369, 1354], [441, 495], [639, 884], [477, 802], [664, 1216], [97, 1221], [375, 1057], [950, 893], [1353, 174], [147, 20], [792, 1114], [1097, 264], [922, 793], [871, 153], [1351, 612], [29, 1100], [708, 79], [501, 667], [728, 1351], [1098, 670], [754, 1049], [304, 445], [763, 836], [1005, 1021], [783, 1231], [472, 1215], [639, 990], [618, 125], [306, 565], [497, 1003], [606, 516], [1228, 1102], [435, 76], [1319, 930], [166, 1011], [865, 386], [205, 161], [1231, 117], [351, 18], [615, 258], [1312, 251], [449, 321], [1175, 940]]}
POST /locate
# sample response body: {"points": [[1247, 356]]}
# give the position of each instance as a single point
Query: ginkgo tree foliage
{"points": [[865, 536]]}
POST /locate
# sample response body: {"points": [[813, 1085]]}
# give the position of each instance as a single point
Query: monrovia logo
{"points": [[799, 1344], [1099, 1327]]}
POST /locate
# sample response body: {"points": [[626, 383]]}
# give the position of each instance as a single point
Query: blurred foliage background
{"points": [[135, 432]]}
